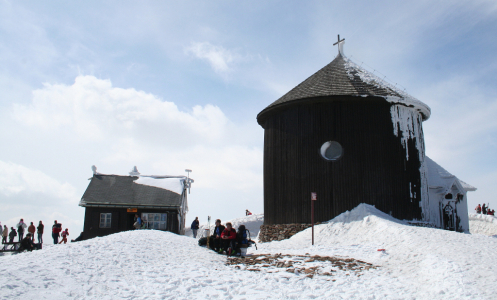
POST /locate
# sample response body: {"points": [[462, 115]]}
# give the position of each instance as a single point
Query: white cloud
{"points": [[16, 179], [92, 122], [93, 110], [220, 59]]}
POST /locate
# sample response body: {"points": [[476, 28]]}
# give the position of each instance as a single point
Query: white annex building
{"points": [[448, 200]]}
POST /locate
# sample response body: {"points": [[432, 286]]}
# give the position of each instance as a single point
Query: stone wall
{"points": [[280, 232]]}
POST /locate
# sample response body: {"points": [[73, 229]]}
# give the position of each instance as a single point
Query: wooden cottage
{"points": [[111, 202], [351, 138]]}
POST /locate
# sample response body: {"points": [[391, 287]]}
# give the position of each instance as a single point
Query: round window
{"points": [[331, 150]]}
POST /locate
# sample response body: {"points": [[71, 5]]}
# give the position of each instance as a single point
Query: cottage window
{"points": [[331, 150], [105, 220], [155, 221]]}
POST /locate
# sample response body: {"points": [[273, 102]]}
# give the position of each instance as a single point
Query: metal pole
{"points": [[208, 230], [312, 220]]}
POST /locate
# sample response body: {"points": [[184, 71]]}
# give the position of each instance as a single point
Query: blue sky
{"points": [[178, 84]]}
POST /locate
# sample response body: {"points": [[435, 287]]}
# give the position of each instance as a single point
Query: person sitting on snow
{"points": [[79, 238], [247, 212], [215, 239], [228, 239], [27, 243]]}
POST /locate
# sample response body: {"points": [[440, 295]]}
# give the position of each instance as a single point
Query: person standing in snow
{"points": [[56, 229], [64, 234], [215, 239], [5, 234], [138, 222], [32, 230], [484, 209], [40, 232], [194, 227], [21, 226], [478, 209], [12, 234]]}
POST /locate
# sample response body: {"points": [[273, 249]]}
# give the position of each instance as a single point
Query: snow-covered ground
{"points": [[483, 224], [418, 263]]}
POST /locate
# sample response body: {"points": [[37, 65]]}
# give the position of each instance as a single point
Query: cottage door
{"points": [[449, 216]]}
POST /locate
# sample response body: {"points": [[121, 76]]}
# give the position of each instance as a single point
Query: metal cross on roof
{"points": [[339, 42]]}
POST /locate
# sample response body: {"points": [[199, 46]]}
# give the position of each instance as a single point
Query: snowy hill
{"points": [[418, 263], [483, 224]]}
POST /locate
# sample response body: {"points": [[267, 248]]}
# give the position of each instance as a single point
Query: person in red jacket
{"points": [[64, 235], [32, 229], [56, 229], [228, 239]]}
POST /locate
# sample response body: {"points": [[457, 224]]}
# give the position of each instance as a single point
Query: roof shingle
{"points": [[342, 77]]}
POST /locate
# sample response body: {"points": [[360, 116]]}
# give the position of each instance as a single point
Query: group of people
{"points": [[227, 240], [484, 209], [27, 242]]}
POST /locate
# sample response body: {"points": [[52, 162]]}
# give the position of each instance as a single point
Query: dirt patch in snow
{"points": [[307, 265]]}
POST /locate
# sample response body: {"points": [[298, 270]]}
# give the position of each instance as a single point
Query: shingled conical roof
{"points": [[342, 77]]}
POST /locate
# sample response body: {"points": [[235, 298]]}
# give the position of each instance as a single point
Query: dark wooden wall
{"points": [[120, 221], [373, 168]]}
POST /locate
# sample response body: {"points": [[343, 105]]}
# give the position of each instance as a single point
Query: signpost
{"points": [[208, 230], [314, 197]]}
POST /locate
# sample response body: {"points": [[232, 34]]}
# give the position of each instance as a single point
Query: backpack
{"points": [[57, 228], [202, 241]]}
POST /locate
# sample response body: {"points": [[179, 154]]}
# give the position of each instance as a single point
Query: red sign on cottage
{"points": [[314, 196]]}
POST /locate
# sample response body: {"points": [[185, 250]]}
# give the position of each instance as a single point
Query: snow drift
{"points": [[483, 224]]}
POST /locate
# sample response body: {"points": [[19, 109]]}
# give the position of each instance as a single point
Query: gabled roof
{"points": [[342, 77], [441, 180], [134, 191]]}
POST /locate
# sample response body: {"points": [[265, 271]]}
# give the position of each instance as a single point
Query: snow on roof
{"points": [[439, 178], [395, 95], [174, 184], [342, 77], [466, 186]]}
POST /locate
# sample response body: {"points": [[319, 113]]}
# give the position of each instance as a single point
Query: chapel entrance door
{"points": [[449, 215]]}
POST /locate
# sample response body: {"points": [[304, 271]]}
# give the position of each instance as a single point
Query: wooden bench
{"points": [[10, 247]]}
